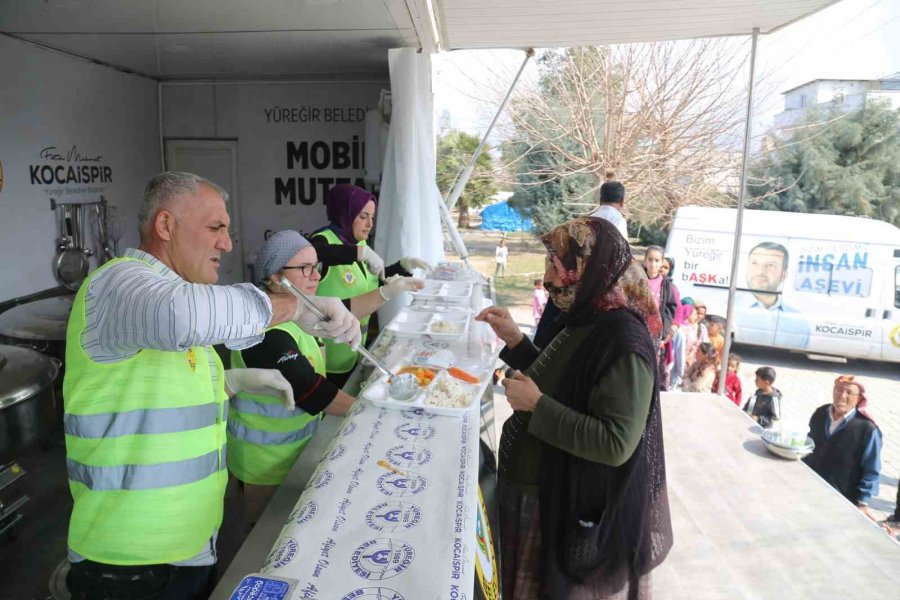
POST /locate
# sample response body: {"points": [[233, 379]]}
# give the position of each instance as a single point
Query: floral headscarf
{"points": [[598, 271], [862, 405]]}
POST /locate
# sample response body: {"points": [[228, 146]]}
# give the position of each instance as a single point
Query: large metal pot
{"points": [[27, 398], [37, 324]]}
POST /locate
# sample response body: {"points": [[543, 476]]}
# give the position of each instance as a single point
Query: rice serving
{"points": [[447, 393], [441, 326]]}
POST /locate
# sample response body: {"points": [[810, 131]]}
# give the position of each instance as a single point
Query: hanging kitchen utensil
{"points": [[62, 241], [82, 238], [72, 264], [100, 212], [114, 227]]}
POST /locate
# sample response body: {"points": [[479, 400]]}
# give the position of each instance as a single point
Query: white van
{"points": [[819, 284]]}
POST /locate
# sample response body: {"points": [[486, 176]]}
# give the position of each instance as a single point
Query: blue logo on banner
{"points": [[417, 413], [373, 593], [393, 516], [414, 431], [381, 558], [282, 554], [322, 479], [253, 587], [395, 484], [303, 513], [337, 452], [406, 456], [349, 428]]}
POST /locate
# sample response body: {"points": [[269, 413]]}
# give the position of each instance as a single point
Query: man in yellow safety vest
{"points": [[146, 396]]}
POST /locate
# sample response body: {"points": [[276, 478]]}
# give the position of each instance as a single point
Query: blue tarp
{"points": [[503, 217]]}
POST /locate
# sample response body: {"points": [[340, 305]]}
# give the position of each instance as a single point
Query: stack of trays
{"points": [[445, 327]]}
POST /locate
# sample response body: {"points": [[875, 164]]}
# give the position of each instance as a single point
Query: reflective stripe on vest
{"points": [[265, 438], [252, 407], [146, 477], [340, 358], [146, 421], [269, 438]]}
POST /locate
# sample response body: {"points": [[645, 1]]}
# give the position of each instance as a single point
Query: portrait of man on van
{"points": [[764, 317], [767, 267]]}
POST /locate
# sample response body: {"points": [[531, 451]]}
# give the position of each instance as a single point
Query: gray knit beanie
{"points": [[276, 252]]}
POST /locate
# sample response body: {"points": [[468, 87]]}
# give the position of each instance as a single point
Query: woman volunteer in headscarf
{"points": [[848, 443], [264, 436], [583, 506], [350, 267]]}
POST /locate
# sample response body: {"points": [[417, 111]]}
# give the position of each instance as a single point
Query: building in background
{"points": [[843, 95]]}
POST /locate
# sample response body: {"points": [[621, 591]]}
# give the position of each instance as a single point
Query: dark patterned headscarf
{"points": [[598, 272], [343, 203]]}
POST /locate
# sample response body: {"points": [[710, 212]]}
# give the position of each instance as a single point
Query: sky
{"points": [[853, 39]]}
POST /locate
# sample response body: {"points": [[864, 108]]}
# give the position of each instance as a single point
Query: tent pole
{"points": [[467, 172], [739, 224], [463, 178], [458, 244]]}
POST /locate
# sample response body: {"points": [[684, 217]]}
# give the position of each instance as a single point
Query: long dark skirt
{"points": [[520, 546]]}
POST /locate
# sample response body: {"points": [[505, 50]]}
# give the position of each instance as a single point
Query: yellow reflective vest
{"points": [[145, 449], [344, 281], [264, 438]]}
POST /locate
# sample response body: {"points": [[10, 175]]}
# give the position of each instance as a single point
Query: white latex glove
{"points": [[411, 262], [264, 382], [396, 285], [339, 325], [372, 260]]}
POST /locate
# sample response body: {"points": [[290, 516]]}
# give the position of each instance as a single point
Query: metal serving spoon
{"points": [[402, 387]]}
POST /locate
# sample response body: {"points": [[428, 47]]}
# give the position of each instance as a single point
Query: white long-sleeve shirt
{"points": [[133, 305], [611, 214]]}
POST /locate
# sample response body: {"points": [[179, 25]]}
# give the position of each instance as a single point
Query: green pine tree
{"points": [[845, 164], [454, 151]]}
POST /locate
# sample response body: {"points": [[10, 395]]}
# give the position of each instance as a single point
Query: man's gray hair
{"points": [[166, 186]]}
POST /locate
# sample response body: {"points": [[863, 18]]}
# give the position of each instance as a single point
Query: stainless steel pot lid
{"points": [[23, 373], [45, 319]]}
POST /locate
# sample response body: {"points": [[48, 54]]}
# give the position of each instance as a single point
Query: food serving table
{"points": [[383, 503]]}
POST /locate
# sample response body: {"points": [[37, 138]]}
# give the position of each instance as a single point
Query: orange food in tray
{"points": [[423, 375], [462, 375]]}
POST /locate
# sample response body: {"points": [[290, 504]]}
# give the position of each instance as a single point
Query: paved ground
{"points": [[806, 384]]}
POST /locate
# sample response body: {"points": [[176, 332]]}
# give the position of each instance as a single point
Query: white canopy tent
{"points": [[316, 40]]}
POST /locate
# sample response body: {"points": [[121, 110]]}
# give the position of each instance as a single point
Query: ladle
{"points": [[402, 387]]}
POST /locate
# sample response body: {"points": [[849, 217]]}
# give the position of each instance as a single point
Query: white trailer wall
{"points": [[292, 139], [58, 111]]}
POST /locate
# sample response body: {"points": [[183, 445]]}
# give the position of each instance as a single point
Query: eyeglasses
{"points": [[307, 269]]}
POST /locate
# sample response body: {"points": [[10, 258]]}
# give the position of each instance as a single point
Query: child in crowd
{"points": [[700, 375], [665, 302], [660, 286], [765, 405], [538, 300], [701, 311], [693, 329], [715, 327], [501, 257], [732, 380]]}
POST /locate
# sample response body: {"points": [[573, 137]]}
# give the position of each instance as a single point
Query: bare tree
{"points": [[666, 117]]}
